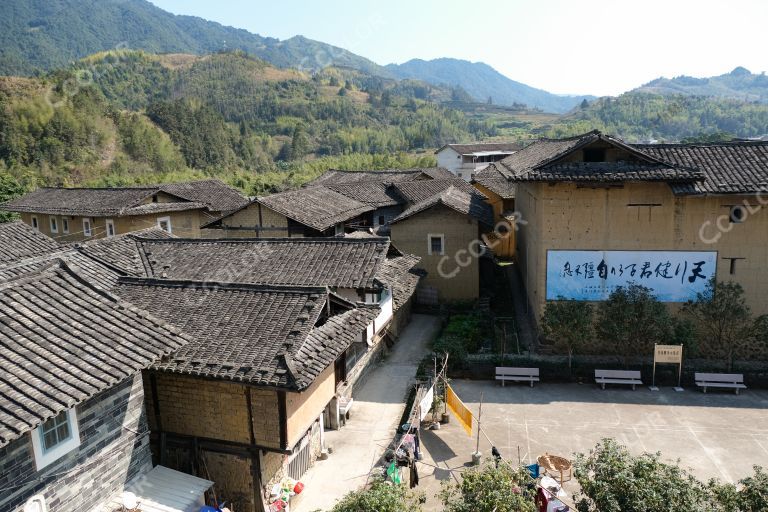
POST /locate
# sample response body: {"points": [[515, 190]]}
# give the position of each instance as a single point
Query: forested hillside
{"points": [[638, 116], [124, 116], [739, 84], [49, 34]]}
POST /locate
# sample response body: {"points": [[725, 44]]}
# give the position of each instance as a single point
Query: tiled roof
{"points": [[471, 204], [326, 343], [374, 193], [63, 341], [335, 177], [19, 240], [248, 333], [480, 147], [399, 273], [607, 171], [99, 275], [335, 262], [119, 201], [124, 251], [492, 179], [415, 191], [729, 168], [319, 208], [217, 196], [80, 201], [150, 208]]}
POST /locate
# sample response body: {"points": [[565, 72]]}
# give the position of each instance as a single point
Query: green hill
{"points": [[739, 84], [49, 34]]}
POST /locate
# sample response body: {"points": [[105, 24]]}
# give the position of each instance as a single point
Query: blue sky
{"points": [[580, 47]]}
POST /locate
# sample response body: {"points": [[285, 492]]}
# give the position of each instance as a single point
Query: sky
{"points": [[565, 47]]}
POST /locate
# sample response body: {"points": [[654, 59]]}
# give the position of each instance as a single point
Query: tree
{"points": [[9, 189], [633, 320], [584, 104], [381, 497], [569, 324], [724, 321], [489, 489], [612, 480]]}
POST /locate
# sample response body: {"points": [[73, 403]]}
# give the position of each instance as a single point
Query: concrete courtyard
{"points": [[717, 434]]}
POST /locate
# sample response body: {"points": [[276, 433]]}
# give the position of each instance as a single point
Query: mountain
{"points": [[481, 81], [48, 34], [739, 84]]}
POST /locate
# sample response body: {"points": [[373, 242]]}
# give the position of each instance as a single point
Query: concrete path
{"points": [[378, 406]]}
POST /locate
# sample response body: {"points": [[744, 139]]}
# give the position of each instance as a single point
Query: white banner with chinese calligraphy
{"points": [[674, 276]]}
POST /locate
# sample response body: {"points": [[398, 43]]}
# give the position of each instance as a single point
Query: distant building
{"points": [[464, 160], [78, 214]]}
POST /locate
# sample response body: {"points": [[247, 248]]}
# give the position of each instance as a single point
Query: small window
{"points": [[436, 244], [164, 223], [35, 224], [65, 225], [55, 438], [737, 214], [54, 224], [382, 220], [110, 227], [594, 155], [154, 198], [87, 227], [339, 229]]}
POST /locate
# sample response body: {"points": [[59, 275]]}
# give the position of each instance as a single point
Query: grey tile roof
{"points": [[415, 191], [492, 179], [63, 341], [456, 199], [607, 171], [216, 195], [123, 252], [258, 334], [400, 274], [119, 201], [728, 168], [319, 208], [479, 147], [80, 201], [335, 262], [374, 193], [336, 177], [19, 240], [99, 275], [326, 343]]}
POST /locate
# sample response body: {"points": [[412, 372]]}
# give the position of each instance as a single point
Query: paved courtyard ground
{"points": [[717, 434], [378, 407]]}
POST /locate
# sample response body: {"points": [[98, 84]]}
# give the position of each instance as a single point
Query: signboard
{"points": [[668, 354], [459, 410], [426, 403], [674, 276]]}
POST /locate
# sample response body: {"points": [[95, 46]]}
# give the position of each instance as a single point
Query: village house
{"points": [[464, 160], [245, 400], [335, 203], [77, 214], [600, 213], [445, 230], [73, 429]]}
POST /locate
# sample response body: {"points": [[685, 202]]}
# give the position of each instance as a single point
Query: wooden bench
{"points": [[345, 405], [720, 380], [504, 373], [629, 377]]}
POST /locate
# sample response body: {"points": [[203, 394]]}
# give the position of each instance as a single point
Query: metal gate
{"points": [[301, 459]]}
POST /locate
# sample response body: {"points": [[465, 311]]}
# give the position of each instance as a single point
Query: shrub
{"points": [[380, 497], [490, 489]]}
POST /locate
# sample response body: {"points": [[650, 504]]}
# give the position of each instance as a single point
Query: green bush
{"points": [[380, 497], [489, 489]]}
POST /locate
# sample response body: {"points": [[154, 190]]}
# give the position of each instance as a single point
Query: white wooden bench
{"points": [[629, 377], [504, 373], [345, 405], [720, 380]]}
